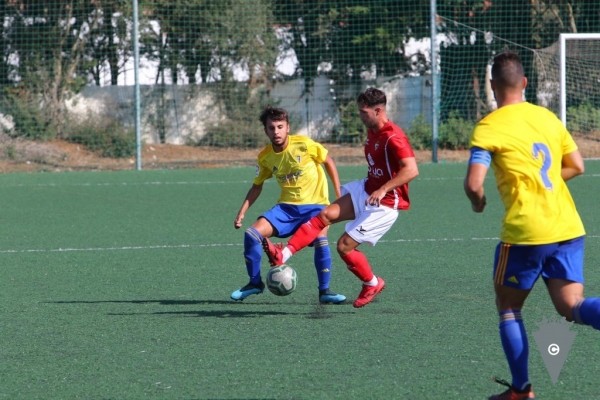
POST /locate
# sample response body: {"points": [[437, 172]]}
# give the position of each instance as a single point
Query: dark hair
{"points": [[274, 114], [507, 70], [372, 97]]}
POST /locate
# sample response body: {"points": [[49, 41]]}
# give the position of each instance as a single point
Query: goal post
{"points": [[563, 39]]}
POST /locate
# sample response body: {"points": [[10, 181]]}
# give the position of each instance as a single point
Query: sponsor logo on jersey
{"points": [[376, 145], [370, 159], [298, 158], [290, 177], [377, 172]]}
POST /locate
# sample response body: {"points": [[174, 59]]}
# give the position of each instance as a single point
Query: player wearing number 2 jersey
{"points": [[532, 155], [528, 143]]}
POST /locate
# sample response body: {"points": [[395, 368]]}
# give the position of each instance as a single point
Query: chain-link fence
{"points": [[206, 68]]}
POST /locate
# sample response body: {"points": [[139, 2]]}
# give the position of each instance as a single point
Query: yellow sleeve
{"points": [[316, 151], [569, 144], [262, 171], [484, 137]]}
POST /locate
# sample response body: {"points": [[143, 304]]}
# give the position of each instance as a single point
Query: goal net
{"points": [[569, 85]]}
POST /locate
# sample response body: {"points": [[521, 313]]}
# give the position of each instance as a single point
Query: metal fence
{"points": [[114, 83]]}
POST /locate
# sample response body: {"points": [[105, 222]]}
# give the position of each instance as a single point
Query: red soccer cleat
{"points": [[273, 252], [512, 393], [368, 293]]}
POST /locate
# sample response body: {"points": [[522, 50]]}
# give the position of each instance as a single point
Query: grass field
{"points": [[116, 285]]}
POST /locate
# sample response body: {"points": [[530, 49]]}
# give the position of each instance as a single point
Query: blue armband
{"points": [[480, 156]]}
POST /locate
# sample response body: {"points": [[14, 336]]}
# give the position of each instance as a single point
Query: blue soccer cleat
{"points": [[248, 290], [328, 297]]}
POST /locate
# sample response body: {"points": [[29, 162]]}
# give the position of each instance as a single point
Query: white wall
{"points": [[190, 109]]}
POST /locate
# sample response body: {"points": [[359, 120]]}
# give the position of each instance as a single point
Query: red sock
{"points": [[306, 234], [358, 264]]}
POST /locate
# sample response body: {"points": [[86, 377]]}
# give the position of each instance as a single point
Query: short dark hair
{"points": [[507, 70], [371, 97], [274, 114]]}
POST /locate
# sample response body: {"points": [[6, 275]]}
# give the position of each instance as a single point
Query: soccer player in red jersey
{"points": [[371, 204]]}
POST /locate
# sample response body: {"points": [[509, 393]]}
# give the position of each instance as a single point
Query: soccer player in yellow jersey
{"points": [[532, 155], [296, 163]]}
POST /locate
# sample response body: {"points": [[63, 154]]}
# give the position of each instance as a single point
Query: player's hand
{"points": [[375, 198], [237, 224], [478, 208]]}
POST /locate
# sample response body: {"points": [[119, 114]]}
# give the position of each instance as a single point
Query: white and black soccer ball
{"points": [[282, 280]]}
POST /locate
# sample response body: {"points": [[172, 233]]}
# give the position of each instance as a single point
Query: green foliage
{"points": [[30, 119], [583, 119], [104, 135], [419, 133], [455, 132], [350, 130], [237, 133], [242, 128]]}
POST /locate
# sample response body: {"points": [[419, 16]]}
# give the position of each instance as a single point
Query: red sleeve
{"points": [[400, 147]]}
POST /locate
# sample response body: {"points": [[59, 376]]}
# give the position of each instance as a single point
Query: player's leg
{"points": [[563, 274], [340, 210], [252, 256], [516, 269], [323, 265], [370, 225]]}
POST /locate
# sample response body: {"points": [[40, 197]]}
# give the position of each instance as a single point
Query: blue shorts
{"points": [[519, 266], [287, 218]]}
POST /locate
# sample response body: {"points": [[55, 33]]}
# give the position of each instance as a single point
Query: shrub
{"points": [[455, 132], [583, 119], [350, 129], [419, 133], [104, 135], [29, 118], [244, 134]]}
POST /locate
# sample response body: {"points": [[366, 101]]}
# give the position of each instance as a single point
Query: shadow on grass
{"points": [[318, 311], [217, 313], [163, 302]]}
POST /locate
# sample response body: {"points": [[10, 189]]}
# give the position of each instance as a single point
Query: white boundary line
{"points": [[157, 183], [189, 246]]}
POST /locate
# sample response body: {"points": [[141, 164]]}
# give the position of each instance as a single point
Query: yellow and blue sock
{"points": [[516, 346], [322, 262], [253, 254], [587, 312]]}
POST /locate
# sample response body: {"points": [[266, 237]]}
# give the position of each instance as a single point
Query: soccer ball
{"points": [[282, 280]]}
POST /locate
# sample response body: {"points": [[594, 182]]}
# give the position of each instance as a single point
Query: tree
{"points": [[48, 40], [109, 45]]}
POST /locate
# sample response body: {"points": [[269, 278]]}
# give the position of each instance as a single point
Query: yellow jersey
{"points": [[527, 143], [297, 170]]}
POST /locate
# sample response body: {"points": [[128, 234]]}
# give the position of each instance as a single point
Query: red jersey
{"points": [[383, 150]]}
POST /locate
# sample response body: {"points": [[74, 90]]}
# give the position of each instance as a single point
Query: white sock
{"points": [[372, 282], [286, 254]]}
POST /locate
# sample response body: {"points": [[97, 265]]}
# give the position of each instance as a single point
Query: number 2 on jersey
{"points": [[542, 148]]}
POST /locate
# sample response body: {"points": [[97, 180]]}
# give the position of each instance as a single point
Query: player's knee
{"points": [[252, 235], [564, 306], [325, 216]]}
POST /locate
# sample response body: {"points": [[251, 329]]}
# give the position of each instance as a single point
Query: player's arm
{"points": [[479, 163], [332, 171], [572, 165], [251, 197], [408, 171]]}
